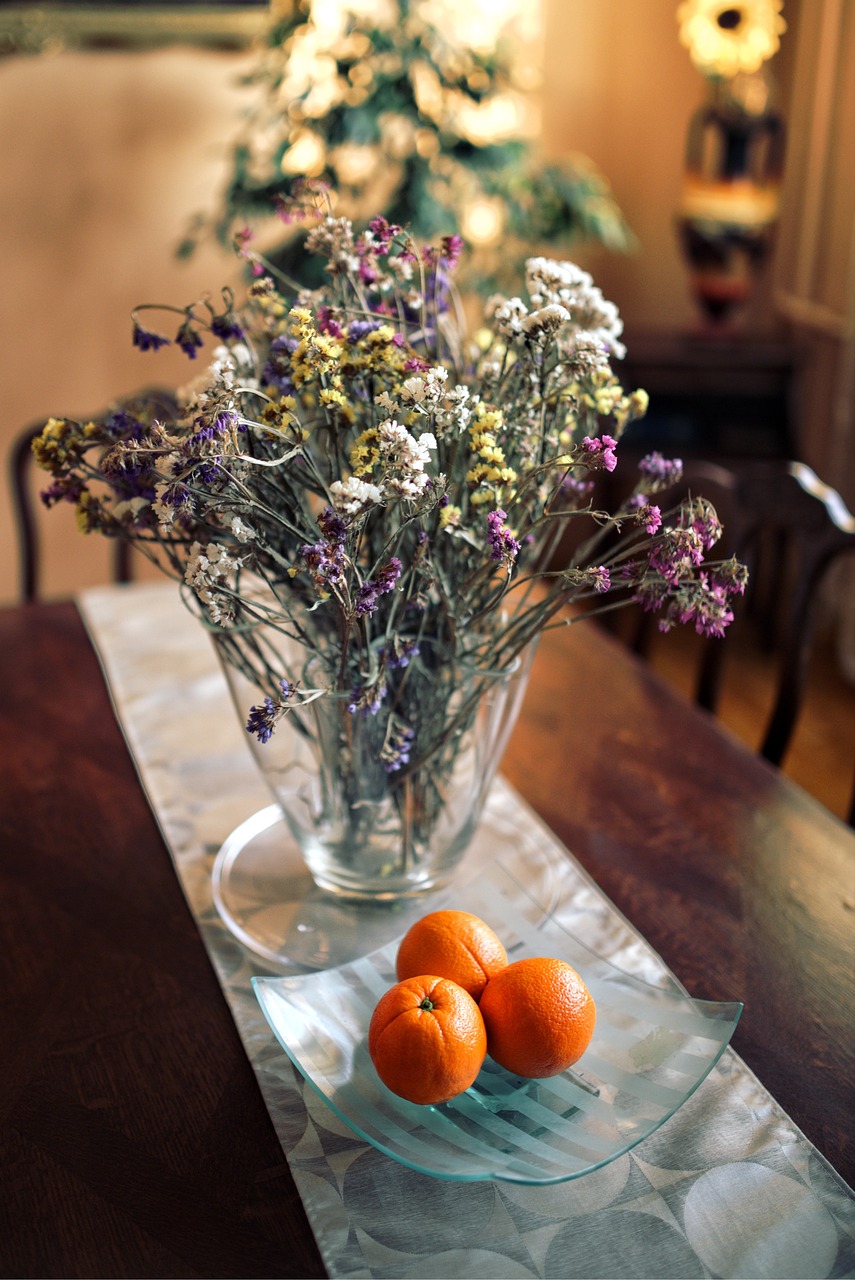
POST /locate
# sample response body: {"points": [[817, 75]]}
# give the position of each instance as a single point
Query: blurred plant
{"points": [[418, 109]]}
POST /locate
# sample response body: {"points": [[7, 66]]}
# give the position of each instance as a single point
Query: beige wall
{"points": [[104, 156], [619, 88]]}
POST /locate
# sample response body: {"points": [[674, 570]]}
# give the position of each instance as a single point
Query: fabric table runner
{"points": [[727, 1187]]}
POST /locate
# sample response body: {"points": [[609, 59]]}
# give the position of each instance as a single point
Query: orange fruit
{"points": [[427, 1039], [539, 1016], [455, 945]]}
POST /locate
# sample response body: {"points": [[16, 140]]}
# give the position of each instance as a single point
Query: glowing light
{"points": [[483, 221], [306, 155], [355, 164], [479, 23], [725, 39], [497, 118]]}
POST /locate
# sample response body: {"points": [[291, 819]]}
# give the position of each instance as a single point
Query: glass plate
{"points": [[652, 1048]]}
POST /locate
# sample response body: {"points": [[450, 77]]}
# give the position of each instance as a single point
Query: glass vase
{"points": [[382, 796]]}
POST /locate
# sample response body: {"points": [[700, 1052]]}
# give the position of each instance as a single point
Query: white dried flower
{"points": [[130, 508], [207, 572], [507, 315], [550, 281], [353, 496], [454, 412], [241, 531], [404, 458], [542, 323]]}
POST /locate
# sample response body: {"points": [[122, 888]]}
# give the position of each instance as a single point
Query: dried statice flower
{"points": [[355, 472]]}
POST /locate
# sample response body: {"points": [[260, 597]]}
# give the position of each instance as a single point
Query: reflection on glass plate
{"points": [[651, 1049]]}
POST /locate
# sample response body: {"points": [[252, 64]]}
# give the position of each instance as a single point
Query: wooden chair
{"points": [[157, 402], [789, 528]]}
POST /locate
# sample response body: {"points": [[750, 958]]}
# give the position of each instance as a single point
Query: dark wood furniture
{"points": [[789, 529], [134, 1140], [726, 395]]}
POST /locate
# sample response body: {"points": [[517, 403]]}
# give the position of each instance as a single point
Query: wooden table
{"points": [[134, 1140]]}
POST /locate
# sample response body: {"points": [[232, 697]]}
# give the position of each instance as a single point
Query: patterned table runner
{"points": [[727, 1187]]}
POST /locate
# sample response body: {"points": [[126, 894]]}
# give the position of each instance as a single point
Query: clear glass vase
{"points": [[382, 799]]}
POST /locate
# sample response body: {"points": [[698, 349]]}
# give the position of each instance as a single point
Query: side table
{"points": [[723, 398]]}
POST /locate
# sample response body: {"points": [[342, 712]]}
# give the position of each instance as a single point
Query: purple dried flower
{"points": [[262, 719], [188, 338], [600, 453], [381, 585], [264, 716], [395, 752], [147, 340], [663, 471], [399, 653], [502, 543], [327, 323], [325, 559], [226, 327], [358, 329], [649, 516], [384, 234], [366, 699]]}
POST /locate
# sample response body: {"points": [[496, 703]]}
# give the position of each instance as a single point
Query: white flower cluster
{"points": [[130, 508], [507, 316], [453, 414], [333, 239], [228, 367], [425, 390], [207, 572], [564, 284], [353, 496], [538, 326], [164, 509], [404, 458], [565, 303], [242, 531], [428, 393]]}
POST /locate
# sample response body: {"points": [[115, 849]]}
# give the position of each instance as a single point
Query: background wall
{"points": [[106, 155], [619, 87]]}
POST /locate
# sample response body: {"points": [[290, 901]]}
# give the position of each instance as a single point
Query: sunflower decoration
{"points": [[725, 40]]}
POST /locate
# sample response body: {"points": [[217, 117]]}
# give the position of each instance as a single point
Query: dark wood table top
{"points": [[134, 1140]]}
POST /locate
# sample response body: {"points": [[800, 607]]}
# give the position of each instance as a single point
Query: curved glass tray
{"points": [[652, 1048]]}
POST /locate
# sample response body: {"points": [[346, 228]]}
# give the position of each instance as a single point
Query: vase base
{"points": [[267, 899]]}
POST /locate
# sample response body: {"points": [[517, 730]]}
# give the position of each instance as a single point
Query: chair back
{"points": [[153, 401], [788, 527]]}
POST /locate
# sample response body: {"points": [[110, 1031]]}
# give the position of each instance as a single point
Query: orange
{"points": [[427, 1039], [539, 1016], [455, 945]]}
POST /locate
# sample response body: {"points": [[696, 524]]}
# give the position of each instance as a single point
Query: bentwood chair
{"points": [[789, 528], [153, 402]]}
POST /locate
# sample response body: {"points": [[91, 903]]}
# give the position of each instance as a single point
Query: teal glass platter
{"points": [[652, 1048]]}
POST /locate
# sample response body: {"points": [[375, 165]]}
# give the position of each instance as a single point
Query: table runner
{"points": [[727, 1187]]}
